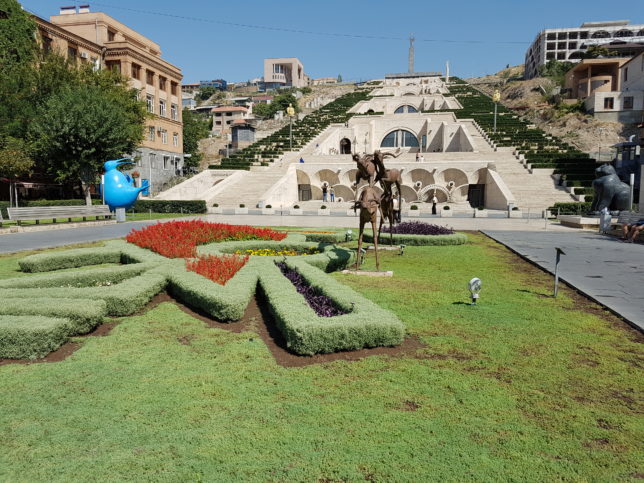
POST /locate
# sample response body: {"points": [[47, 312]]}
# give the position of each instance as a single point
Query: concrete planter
{"points": [[241, 211], [353, 213], [322, 212], [515, 214], [295, 211], [413, 213], [446, 213], [480, 213], [216, 210], [268, 211]]}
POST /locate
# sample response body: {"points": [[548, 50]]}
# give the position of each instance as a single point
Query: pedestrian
{"points": [[324, 191], [396, 209], [434, 201], [417, 157], [301, 160], [422, 158], [332, 193]]}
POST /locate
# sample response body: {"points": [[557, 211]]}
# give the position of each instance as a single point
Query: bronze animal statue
{"points": [[387, 213], [368, 203], [371, 168]]}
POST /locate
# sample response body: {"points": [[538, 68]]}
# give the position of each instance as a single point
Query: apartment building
{"points": [[570, 44], [225, 116], [97, 37], [284, 72]]}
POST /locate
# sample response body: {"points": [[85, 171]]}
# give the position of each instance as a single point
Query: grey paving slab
{"points": [[604, 268]]}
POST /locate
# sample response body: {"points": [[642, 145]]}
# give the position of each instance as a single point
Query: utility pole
{"points": [[411, 54]]}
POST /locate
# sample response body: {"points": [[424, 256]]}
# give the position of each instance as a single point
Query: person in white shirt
{"points": [[434, 201]]}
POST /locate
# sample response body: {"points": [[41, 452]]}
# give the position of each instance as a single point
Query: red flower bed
{"points": [[219, 269], [179, 239]]}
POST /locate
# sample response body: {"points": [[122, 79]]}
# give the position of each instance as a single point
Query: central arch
{"points": [[400, 138], [405, 109], [345, 146]]}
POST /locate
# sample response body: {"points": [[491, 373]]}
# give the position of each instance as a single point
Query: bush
{"points": [[418, 240], [446, 208], [268, 206], [296, 207], [46, 262], [323, 207], [418, 228], [413, 207], [242, 205], [572, 207], [170, 206], [515, 208], [30, 337], [215, 205]]}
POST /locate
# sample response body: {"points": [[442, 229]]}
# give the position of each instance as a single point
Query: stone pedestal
{"points": [[120, 215]]}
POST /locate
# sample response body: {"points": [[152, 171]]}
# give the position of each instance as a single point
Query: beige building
{"points": [[284, 72], [98, 38], [225, 116]]}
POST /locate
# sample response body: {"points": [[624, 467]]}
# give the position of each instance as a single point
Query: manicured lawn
{"points": [[520, 387]]}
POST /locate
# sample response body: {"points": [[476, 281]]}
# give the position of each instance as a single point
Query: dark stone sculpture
{"points": [[610, 191]]}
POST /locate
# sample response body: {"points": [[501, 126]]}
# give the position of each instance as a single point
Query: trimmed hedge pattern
{"points": [[65, 304], [417, 240], [170, 206]]}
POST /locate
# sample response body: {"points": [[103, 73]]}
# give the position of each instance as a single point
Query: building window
{"points": [[162, 107], [164, 136], [278, 69], [111, 35], [150, 102], [561, 45], [166, 162], [600, 34], [405, 109], [162, 83], [46, 44], [136, 71], [572, 45], [114, 65], [625, 74], [551, 36], [550, 46], [218, 123], [572, 35], [175, 139], [149, 77], [399, 139], [562, 35], [174, 112], [151, 133], [561, 55], [608, 102], [153, 163], [72, 52], [173, 88], [583, 35], [229, 114], [628, 102], [550, 55]]}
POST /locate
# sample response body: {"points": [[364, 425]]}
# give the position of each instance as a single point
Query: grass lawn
{"points": [[520, 387]]}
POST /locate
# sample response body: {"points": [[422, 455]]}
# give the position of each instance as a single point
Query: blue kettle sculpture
{"points": [[120, 191]]}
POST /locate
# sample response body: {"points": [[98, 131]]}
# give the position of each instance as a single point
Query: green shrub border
{"points": [[418, 240]]}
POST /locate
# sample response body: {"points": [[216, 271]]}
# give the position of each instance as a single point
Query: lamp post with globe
{"points": [[496, 98], [290, 111]]}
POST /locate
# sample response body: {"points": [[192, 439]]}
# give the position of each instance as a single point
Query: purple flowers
{"points": [[323, 305], [418, 228]]}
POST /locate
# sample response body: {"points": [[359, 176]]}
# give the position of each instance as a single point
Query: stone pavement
{"points": [[603, 268], [14, 242]]}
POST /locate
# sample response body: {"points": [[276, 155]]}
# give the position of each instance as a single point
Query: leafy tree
{"points": [[339, 78], [81, 126], [555, 70], [262, 110], [597, 51], [194, 129], [14, 162], [206, 92]]}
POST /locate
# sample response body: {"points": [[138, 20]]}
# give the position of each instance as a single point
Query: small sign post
{"points": [[559, 253]]}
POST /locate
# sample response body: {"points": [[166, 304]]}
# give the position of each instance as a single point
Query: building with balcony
{"points": [[97, 37], [570, 44], [284, 72], [225, 116]]}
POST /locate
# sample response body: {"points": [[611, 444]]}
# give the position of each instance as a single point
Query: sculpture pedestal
{"points": [[120, 215]]}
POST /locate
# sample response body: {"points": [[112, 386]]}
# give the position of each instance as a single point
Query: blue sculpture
{"points": [[120, 191]]}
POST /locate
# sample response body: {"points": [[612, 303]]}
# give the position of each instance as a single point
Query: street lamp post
{"points": [[496, 98], [291, 112]]}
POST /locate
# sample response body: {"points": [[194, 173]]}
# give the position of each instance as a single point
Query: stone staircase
{"points": [[248, 189]]}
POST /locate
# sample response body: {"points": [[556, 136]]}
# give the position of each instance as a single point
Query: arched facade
{"points": [[623, 33], [327, 176], [600, 34], [345, 146], [405, 109], [400, 138]]}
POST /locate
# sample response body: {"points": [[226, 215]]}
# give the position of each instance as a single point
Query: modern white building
{"points": [[570, 44]]}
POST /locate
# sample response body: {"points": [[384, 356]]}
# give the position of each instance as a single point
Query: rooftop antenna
{"points": [[411, 53]]}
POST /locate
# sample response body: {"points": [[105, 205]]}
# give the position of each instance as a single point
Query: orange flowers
{"points": [[179, 239]]}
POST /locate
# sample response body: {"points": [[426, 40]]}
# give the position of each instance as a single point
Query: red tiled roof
{"points": [[229, 109]]}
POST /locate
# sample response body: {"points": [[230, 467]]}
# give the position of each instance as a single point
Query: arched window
{"points": [[400, 139], [577, 54], [405, 109], [623, 33], [640, 33], [600, 34]]}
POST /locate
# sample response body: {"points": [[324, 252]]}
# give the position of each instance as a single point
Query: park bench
{"points": [[57, 212], [626, 218]]}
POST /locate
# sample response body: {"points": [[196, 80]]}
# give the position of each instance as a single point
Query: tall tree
{"points": [[81, 126], [194, 129], [14, 163]]}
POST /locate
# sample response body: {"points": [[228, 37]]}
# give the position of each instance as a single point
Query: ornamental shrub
{"points": [[219, 269], [30, 337], [170, 206], [413, 207], [418, 228], [446, 208]]}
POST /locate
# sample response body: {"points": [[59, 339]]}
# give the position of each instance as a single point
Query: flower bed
{"points": [[323, 305], [179, 239], [219, 269], [418, 228], [271, 252]]}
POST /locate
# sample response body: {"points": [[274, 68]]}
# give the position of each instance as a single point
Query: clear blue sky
{"points": [[212, 48]]}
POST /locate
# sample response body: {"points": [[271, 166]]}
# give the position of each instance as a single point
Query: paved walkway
{"points": [[14, 242], [603, 268]]}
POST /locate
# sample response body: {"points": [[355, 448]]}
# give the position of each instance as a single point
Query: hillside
{"points": [[528, 98]]}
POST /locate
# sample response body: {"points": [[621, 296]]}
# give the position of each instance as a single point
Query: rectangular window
{"points": [[551, 36], [72, 52], [162, 83], [110, 35], [561, 45], [164, 136], [46, 44], [550, 55], [173, 88], [625, 74], [174, 112], [153, 162], [150, 102], [175, 139], [151, 133], [608, 102], [572, 45], [114, 65], [149, 77], [561, 55], [166, 162], [572, 35], [550, 46], [161, 107], [628, 102], [136, 71], [583, 35], [218, 123]]}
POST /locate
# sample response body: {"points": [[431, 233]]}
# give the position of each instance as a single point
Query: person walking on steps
{"points": [[434, 201], [332, 194], [324, 192]]}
